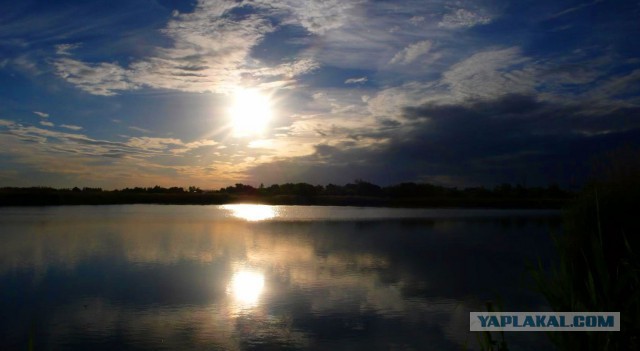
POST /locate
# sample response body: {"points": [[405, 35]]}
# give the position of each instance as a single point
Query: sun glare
{"points": [[250, 112], [251, 212], [246, 287]]}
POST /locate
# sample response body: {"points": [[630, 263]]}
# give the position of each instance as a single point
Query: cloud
{"points": [[75, 157], [417, 20], [618, 87], [356, 80], [71, 126], [65, 49], [574, 9], [317, 17], [463, 18], [503, 139], [274, 45], [41, 114], [186, 147], [98, 79], [26, 63], [211, 52], [283, 74], [389, 102], [71, 142], [491, 73], [412, 52], [211, 48], [147, 143], [46, 124], [141, 130], [371, 35]]}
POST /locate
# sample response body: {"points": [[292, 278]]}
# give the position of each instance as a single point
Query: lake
{"points": [[256, 277]]}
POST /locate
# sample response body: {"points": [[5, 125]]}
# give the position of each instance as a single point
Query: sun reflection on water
{"points": [[251, 212], [246, 287]]}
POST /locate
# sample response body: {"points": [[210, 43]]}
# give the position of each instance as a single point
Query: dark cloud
{"points": [[515, 138], [390, 123]]}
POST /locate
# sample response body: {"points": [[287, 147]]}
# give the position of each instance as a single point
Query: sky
{"points": [[210, 93]]}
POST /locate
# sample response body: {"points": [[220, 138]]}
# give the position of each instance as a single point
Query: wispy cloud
{"points": [[464, 18], [65, 49], [71, 126], [574, 9], [356, 80], [98, 79], [141, 130], [81, 144], [491, 73], [411, 52], [389, 103], [417, 20], [619, 87], [47, 123], [210, 52], [26, 63], [317, 17], [41, 114], [283, 74], [78, 155]]}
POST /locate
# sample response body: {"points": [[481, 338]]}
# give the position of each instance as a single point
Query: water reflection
{"points": [[251, 212], [174, 278], [246, 287]]}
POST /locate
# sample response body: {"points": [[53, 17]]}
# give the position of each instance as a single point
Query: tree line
{"points": [[402, 190], [359, 192]]}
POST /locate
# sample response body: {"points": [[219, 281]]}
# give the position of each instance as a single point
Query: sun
{"points": [[250, 112]]}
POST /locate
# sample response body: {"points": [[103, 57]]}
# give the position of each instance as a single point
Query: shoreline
{"points": [[111, 198]]}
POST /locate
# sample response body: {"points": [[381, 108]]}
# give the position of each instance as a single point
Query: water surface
{"points": [[263, 277]]}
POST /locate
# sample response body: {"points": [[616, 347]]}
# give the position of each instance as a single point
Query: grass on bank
{"points": [[598, 258]]}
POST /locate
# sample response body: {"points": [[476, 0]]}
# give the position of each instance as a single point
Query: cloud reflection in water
{"points": [[188, 277]]}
